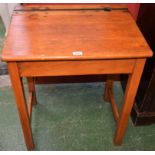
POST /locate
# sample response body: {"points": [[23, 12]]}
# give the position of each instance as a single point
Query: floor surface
{"points": [[70, 117]]}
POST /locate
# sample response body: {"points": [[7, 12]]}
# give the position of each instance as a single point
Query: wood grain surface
{"points": [[55, 35], [67, 68]]}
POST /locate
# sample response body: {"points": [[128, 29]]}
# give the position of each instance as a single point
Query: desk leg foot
{"points": [[17, 86], [130, 93]]}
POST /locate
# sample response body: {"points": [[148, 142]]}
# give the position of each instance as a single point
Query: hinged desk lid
{"points": [[51, 32]]}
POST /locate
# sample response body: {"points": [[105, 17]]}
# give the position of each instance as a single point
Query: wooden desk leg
{"points": [[130, 93], [31, 88], [108, 85], [21, 103]]}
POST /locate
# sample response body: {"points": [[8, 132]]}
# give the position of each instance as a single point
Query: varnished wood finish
{"points": [[97, 33], [21, 103], [113, 105], [31, 89], [32, 95], [109, 97], [129, 97], [85, 67], [108, 85], [30, 103], [40, 43]]}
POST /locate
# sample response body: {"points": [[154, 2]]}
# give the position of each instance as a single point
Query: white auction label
{"points": [[77, 53]]}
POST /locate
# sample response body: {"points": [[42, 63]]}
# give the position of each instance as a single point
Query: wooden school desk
{"points": [[71, 39]]}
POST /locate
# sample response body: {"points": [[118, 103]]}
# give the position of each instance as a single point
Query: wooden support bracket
{"points": [[113, 105], [109, 97], [32, 95]]}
